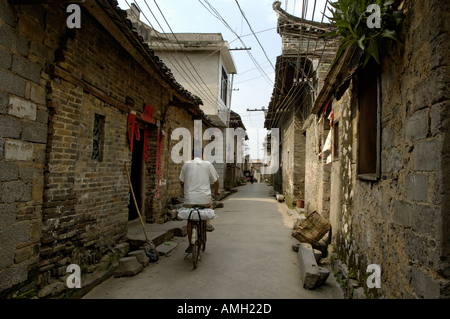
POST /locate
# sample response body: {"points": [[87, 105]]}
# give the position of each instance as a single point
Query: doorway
{"points": [[137, 177]]}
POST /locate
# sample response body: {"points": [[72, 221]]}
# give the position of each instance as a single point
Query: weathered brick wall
{"points": [[58, 205], [317, 171], [170, 172], [293, 168], [24, 49], [313, 167], [401, 221]]}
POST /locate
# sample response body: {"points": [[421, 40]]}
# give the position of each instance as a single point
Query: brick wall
{"points": [[23, 138], [400, 222], [58, 204]]}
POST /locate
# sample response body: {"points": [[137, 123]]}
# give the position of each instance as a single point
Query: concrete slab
{"points": [[158, 233], [166, 248]]}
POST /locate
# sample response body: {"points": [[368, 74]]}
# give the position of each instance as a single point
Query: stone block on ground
{"points": [[280, 197], [309, 270], [123, 248], [323, 276], [311, 274], [140, 256], [128, 266], [322, 247]]}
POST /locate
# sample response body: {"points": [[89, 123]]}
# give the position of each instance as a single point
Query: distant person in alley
{"points": [[195, 178]]}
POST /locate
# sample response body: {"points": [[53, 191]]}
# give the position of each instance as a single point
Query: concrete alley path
{"points": [[248, 256]]}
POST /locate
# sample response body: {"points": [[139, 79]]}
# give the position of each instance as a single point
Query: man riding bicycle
{"points": [[195, 179]]}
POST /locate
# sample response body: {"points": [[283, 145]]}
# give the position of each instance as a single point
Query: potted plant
{"points": [[369, 24]]}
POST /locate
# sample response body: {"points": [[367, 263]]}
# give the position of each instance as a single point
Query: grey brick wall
{"points": [[401, 221]]}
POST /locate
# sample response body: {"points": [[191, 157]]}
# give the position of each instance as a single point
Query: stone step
{"points": [[128, 266], [158, 233], [166, 248], [141, 257]]}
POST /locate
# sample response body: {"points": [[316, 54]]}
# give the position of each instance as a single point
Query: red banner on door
{"points": [[131, 124], [148, 113], [137, 134]]}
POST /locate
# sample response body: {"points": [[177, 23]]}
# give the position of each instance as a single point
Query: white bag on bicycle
{"points": [[205, 214]]}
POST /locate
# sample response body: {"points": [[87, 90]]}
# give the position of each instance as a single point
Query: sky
{"points": [[253, 83]]}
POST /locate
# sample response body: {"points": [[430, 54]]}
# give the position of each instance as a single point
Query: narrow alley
{"points": [[327, 130], [248, 256]]}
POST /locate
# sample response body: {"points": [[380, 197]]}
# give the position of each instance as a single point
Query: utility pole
{"points": [[263, 109]]}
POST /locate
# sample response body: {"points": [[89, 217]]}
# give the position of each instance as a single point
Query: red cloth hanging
{"points": [[131, 125], [148, 113], [145, 144], [136, 133]]}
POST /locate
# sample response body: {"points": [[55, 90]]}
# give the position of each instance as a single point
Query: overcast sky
{"points": [[253, 87]]}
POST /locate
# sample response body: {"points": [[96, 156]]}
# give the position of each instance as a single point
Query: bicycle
{"points": [[198, 236]]}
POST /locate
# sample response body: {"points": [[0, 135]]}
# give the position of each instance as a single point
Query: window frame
{"points": [[376, 174], [224, 86], [336, 140], [100, 138]]}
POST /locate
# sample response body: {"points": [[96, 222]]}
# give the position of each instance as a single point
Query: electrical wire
{"points": [[190, 82], [217, 15], [180, 44], [208, 95], [251, 29], [276, 118]]}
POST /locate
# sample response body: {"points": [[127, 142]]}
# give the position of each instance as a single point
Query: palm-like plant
{"points": [[352, 19]]}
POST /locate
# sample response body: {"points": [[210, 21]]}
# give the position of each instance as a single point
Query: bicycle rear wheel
{"points": [[195, 254]]}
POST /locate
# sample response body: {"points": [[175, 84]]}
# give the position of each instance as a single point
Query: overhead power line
{"points": [[190, 82], [162, 14], [217, 15], [251, 29]]}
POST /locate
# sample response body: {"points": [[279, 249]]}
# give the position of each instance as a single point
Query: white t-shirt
{"points": [[197, 175]]}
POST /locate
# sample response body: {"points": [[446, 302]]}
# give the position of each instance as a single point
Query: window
{"points": [[224, 86], [97, 139], [369, 122], [336, 141]]}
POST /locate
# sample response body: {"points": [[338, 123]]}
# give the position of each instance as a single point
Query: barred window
{"points": [[224, 86], [97, 139]]}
